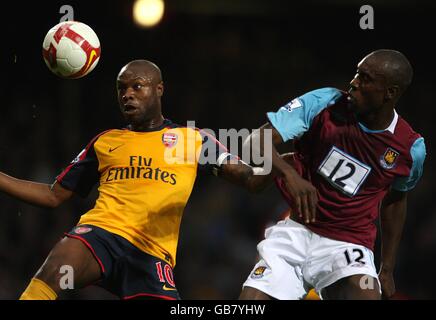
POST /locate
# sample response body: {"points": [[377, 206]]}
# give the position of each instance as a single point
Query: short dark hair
{"points": [[395, 66]]}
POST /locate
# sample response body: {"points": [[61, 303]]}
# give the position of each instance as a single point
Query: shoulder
{"points": [[418, 150], [411, 140], [416, 154], [325, 93], [316, 101], [405, 132], [404, 129], [296, 117], [322, 97], [106, 133], [309, 104]]}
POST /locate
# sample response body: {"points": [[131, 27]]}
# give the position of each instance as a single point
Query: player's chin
{"points": [[355, 107], [132, 117]]}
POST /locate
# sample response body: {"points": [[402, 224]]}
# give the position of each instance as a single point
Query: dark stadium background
{"points": [[225, 63]]}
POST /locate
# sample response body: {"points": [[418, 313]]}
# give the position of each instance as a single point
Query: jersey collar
{"points": [[166, 123], [390, 128]]}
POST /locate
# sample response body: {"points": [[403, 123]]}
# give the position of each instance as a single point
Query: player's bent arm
{"points": [[246, 176], [255, 179], [39, 194], [268, 134], [392, 217], [303, 192]]}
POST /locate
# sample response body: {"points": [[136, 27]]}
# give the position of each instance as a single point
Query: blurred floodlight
{"points": [[148, 13]]}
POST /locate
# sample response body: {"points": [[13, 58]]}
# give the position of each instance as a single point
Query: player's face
{"points": [[138, 95], [367, 89]]}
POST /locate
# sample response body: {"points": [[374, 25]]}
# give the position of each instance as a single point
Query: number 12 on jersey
{"points": [[343, 171]]}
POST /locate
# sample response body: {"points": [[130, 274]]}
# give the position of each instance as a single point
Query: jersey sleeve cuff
{"points": [[271, 120]]}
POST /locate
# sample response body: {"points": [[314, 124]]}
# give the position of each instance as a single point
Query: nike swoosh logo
{"points": [[91, 58], [168, 288], [113, 149]]}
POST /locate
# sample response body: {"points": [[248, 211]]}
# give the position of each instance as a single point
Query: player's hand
{"points": [[387, 284], [304, 194]]}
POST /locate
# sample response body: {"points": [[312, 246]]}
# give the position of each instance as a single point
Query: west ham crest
{"points": [[169, 139], [258, 272], [389, 158]]}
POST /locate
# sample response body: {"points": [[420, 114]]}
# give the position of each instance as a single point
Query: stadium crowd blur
{"points": [[225, 64]]}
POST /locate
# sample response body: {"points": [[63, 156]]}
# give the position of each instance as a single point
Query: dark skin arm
{"points": [[242, 174], [302, 191], [245, 176], [392, 217], [39, 194]]}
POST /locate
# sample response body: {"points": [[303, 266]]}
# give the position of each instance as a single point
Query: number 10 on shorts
{"points": [[343, 171]]}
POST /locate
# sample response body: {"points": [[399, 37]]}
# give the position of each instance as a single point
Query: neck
{"points": [[378, 120], [148, 124]]}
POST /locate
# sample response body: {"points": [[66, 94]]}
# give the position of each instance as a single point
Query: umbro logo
{"points": [[113, 149]]}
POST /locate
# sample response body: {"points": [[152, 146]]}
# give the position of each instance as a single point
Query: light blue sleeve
{"points": [[295, 118], [418, 153]]}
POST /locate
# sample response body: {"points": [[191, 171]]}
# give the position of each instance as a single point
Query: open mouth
{"points": [[128, 108], [350, 97]]}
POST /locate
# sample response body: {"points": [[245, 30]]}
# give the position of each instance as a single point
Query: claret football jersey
{"points": [[145, 180], [351, 166]]}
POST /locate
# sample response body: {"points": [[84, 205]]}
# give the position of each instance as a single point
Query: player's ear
{"points": [[160, 89], [393, 92]]}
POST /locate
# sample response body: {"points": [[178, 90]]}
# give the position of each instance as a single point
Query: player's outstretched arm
{"points": [[301, 190], [392, 217], [39, 194]]}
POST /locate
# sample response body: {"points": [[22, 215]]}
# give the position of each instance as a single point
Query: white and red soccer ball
{"points": [[71, 49]]}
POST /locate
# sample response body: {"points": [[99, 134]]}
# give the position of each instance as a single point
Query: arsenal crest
{"points": [[169, 139], [82, 230], [389, 158]]}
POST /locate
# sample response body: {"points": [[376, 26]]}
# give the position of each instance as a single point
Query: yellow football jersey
{"points": [[145, 181]]}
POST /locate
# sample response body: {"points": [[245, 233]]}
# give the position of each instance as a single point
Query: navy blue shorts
{"points": [[127, 271]]}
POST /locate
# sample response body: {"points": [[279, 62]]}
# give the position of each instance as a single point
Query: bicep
{"points": [[60, 193], [275, 135]]}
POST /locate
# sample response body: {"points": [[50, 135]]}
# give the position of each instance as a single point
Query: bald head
{"points": [[393, 66], [143, 68]]}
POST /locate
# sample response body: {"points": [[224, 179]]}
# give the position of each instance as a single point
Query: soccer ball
{"points": [[71, 49]]}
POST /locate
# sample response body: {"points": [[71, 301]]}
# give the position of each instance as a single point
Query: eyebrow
{"points": [[134, 79], [365, 73], [142, 78]]}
